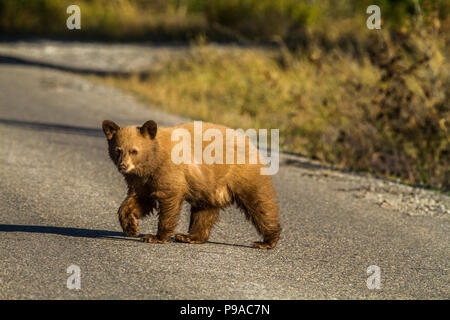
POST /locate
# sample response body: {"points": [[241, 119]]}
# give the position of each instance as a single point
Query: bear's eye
{"points": [[133, 152], [118, 150]]}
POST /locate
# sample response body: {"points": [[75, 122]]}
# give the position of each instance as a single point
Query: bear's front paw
{"points": [[130, 225], [131, 230], [151, 239]]}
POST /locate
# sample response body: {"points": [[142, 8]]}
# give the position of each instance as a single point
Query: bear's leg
{"points": [[129, 212], [169, 213], [200, 225], [261, 209]]}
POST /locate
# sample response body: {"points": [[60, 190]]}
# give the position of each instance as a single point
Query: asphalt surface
{"points": [[60, 194]]}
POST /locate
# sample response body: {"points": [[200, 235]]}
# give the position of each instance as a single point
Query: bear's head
{"points": [[132, 149]]}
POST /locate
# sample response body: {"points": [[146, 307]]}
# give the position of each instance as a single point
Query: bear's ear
{"points": [[149, 129], [110, 128]]}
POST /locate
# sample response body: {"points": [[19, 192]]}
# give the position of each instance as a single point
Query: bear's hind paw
{"points": [[263, 245], [186, 238], [152, 239]]}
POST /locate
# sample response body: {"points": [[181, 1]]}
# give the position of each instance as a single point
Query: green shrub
{"points": [[261, 19], [297, 23]]}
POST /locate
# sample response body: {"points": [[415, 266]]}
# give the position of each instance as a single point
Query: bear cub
{"points": [[144, 155]]}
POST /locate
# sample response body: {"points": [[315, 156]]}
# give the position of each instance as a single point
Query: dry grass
{"points": [[252, 88]]}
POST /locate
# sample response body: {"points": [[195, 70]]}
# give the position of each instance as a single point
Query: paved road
{"points": [[60, 193]]}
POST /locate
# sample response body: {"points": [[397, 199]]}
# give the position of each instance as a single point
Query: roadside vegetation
{"points": [[373, 101], [388, 114]]}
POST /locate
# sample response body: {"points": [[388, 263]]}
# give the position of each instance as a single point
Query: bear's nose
{"points": [[123, 168]]}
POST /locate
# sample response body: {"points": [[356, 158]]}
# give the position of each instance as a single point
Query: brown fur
{"points": [[153, 179]]}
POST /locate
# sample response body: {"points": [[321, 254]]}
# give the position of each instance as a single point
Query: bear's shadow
{"points": [[65, 231], [83, 233]]}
